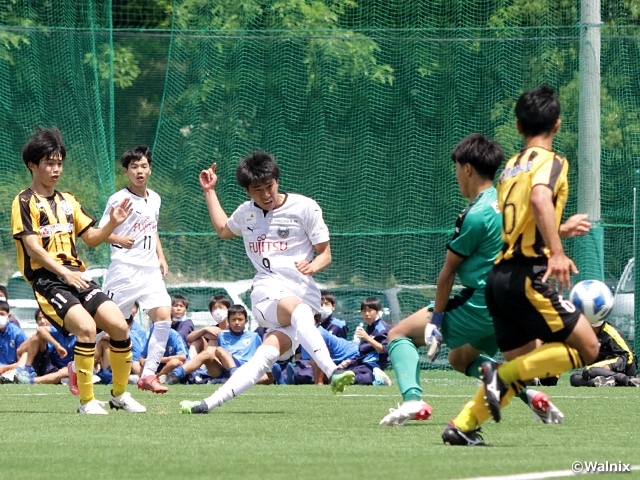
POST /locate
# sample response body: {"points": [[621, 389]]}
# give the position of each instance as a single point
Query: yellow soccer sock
{"points": [[476, 411], [548, 360], [509, 372], [120, 355], [83, 358]]}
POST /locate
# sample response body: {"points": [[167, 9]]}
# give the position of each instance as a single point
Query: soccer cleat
{"points": [[151, 383], [127, 403], [602, 381], [73, 380], [171, 379], [452, 435], [633, 382], [9, 376], [409, 410], [24, 377], [93, 407], [381, 378], [189, 407], [542, 407], [341, 379], [494, 388]]}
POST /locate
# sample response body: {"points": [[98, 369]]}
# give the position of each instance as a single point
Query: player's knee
{"points": [[302, 315], [457, 363], [590, 352], [396, 332]]}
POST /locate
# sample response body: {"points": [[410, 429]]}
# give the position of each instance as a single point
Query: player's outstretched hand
{"points": [[433, 339], [120, 213], [575, 226], [559, 269], [208, 178], [305, 267]]}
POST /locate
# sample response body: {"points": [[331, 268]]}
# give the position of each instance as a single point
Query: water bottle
{"points": [[356, 339]]}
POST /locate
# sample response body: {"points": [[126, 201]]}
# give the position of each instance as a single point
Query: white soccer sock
{"points": [[311, 338], [246, 376], [157, 346]]}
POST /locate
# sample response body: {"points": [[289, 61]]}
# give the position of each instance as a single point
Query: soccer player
{"points": [[45, 224], [520, 293], [616, 363], [137, 260], [280, 232], [467, 327]]}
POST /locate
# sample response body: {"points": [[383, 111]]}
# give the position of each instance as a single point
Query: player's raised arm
{"points": [[95, 236], [208, 180]]}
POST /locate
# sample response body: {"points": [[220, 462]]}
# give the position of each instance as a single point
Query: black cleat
{"points": [[494, 388], [452, 435]]}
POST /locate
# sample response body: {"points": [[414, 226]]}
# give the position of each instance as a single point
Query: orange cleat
{"points": [[151, 384]]}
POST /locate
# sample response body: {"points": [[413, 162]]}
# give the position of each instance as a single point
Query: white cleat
{"points": [[93, 407], [127, 403], [409, 410], [381, 378], [542, 407]]}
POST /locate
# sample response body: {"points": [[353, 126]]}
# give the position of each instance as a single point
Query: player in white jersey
{"points": [[137, 260], [281, 232]]}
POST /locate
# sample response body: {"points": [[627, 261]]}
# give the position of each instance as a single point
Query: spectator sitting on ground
{"points": [[12, 338], [616, 364], [175, 354], [139, 338], [179, 320], [235, 347], [330, 323], [4, 297], [373, 355], [48, 354], [198, 340]]}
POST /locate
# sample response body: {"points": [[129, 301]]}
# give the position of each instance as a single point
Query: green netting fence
{"points": [[361, 102]]}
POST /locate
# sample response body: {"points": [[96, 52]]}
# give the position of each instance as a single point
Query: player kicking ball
{"points": [[281, 231], [45, 224], [464, 320], [137, 260]]}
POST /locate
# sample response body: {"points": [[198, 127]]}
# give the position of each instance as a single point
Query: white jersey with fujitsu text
{"points": [[275, 240], [141, 224]]}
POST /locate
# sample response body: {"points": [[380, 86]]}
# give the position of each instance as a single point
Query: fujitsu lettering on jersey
{"points": [[148, 225], [261, 245]]}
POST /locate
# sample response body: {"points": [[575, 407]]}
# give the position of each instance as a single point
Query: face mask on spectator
{"points": [[4, 319], [325, 312], [219, 315]]}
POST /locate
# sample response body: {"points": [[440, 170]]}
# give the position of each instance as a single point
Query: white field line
{"points": [[543, 475]]}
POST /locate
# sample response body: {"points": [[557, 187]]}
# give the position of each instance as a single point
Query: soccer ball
{"points": [[594, 299]]}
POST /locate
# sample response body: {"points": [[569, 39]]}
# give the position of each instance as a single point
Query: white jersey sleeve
{"points": [[142, 224]]}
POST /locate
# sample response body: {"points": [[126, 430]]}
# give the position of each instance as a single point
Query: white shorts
{"points": [[127, 284], [264, 305]]}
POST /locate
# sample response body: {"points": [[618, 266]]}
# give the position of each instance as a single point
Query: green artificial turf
{"points": [[306, 432]]}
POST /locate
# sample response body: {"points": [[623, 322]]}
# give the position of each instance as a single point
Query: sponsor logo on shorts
{"points": [[92, 294], [48, 230]]}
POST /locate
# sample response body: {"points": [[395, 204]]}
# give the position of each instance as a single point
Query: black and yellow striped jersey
{"points": [[532, 166], [57, 220]]}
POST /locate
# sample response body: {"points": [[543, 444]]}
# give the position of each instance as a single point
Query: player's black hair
{"points": [[134, 154], [37, 312], [237, 309], [4, 292], [180, 298], [371, 302], [257, 167], [5, 306], [537, 111], [328, 296], [484, 155], [44, 143], [223, 299]]}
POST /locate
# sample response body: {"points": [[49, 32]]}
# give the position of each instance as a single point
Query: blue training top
{"points": [[241, 347], [175, 345], [10, 340], [68, 343], [339, 348], [139, 338]]}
